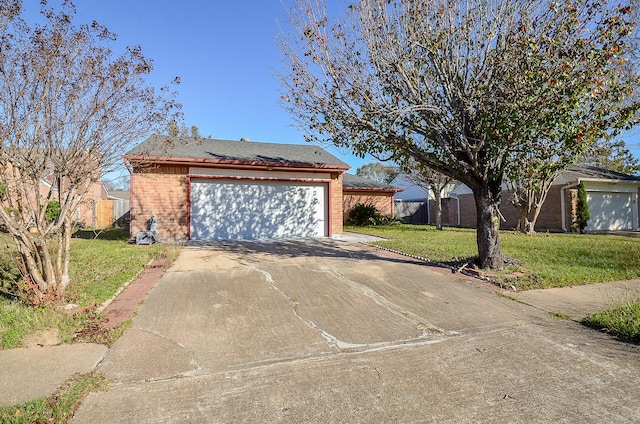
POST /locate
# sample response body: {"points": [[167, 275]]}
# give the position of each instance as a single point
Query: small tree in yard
{"points": [[582, 209], [430, 181], [464, 87], [531, 181], [69, 108]]}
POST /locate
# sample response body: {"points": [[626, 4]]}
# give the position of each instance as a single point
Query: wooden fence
{"points": [[111, 212]]}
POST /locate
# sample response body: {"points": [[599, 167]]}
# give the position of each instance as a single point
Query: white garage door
{"points": [[610, 211], [232, 210]]}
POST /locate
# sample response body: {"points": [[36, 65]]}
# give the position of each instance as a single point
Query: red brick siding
{"points": [[383, 201], [550, 218], [335, 195], [160, 191], [467, 211], [163, 191]]}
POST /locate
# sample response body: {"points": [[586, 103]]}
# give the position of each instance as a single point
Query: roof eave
{"points": [[167, 160], [383, 189], [607, 181]]}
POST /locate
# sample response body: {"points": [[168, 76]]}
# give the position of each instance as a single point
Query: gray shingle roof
{"points": [[235, 151], [588, 171], [355, 181]]}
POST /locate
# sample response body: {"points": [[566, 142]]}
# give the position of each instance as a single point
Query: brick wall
{"points": [[161, 191], [383, 201], [467, 211], [550, 218], [335, 194]]}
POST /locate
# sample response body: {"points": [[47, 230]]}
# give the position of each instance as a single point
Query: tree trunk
{"points": [[487, 198], [66, 258], [438, 199], [526, 225]]}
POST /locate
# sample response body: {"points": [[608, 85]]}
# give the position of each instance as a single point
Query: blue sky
{"points": [[224, 53]]}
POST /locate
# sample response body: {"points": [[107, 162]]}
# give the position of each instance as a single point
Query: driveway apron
{"points": [[330, 331]]}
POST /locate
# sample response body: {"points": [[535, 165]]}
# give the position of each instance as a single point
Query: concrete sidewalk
{"points": [[34, 372], [27, 374], [578, 302]]}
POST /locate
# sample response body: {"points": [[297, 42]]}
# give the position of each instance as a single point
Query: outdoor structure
{"points": [[416, 204], [612, 198], [357, 189], [204, 189], [119, 207]]}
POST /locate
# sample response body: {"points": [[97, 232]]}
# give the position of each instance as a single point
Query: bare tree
{"points": [[461, 87], [69, 108], [533, 172], [430, 181]]}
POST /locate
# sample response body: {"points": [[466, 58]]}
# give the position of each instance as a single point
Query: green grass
{"points": [[623, 320], [548, 260], [57, 408], [99, 267]]}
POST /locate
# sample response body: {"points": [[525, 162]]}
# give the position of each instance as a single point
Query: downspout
{"points": [[562, 203], [428, 210], [455, 196]]}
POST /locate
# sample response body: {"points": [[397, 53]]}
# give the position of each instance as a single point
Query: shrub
{"points": [[367, 214], [53, 211], [583, 215]]}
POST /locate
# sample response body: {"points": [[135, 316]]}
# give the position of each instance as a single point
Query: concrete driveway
{"points": [[331, 331]]}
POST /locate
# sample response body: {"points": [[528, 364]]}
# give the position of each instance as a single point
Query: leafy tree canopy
{"points": [[614, 156], [378, 172], [463, 87]]}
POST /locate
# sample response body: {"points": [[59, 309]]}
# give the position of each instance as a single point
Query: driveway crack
{"points": [[427, 329], [192, 358], [424, 326]]}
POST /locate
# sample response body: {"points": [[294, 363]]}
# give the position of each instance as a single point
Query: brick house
{"points": [[204, 189], [357, 189], [612, 198], [87, 211]]}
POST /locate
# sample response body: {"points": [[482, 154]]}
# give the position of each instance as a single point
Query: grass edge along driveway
{"points": [[99, 267]]}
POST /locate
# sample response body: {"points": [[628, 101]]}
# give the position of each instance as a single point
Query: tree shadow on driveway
{"points": [[297, 248]]}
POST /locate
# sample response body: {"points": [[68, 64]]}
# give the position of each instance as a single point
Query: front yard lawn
{"points": [[548, 260], [622, 320], [98, 268]]}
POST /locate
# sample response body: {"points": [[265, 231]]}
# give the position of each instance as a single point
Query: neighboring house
{"points": [[203, 189], [612, 198], [416, 204], [357, 189], [88, 212]]}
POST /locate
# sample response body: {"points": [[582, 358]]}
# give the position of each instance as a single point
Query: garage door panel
{"points": [[224, 210], [610, 211]]}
